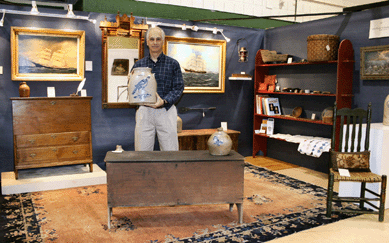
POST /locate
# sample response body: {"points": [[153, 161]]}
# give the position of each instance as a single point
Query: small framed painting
{"points": [[375, 62]]}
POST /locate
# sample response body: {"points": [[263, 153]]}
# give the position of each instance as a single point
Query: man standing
{"points": [[161, 117]]}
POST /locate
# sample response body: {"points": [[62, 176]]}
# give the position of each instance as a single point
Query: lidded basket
{"points": [[322, 48], [142, 87], [219, 143]]}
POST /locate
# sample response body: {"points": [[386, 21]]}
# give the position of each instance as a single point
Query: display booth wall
{"points": [[293, 40], [111, 127], [116, 126]]}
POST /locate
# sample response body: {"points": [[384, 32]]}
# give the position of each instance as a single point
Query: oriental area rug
{"points": [[274, 206]]}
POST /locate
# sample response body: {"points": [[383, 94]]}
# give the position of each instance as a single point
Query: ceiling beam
{"points": [[366, 6]]}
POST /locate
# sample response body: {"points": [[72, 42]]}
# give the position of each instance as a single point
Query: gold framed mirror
{"points": [[122, 46]]}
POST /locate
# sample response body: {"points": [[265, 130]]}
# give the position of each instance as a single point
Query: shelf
{"points": [[302, 63], [239, 78], [291, 93], [267, 136], [284, 117], [298, 74]]}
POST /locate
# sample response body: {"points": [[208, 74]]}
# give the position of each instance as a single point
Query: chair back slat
{"points": [[350, 126], [354, 134], [360, 121], [367, 138], [346, 120], [341, 134]]}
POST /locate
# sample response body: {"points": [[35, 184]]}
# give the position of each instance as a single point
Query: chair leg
{"points": [[382, 199], [363, 188], [330, 194]]}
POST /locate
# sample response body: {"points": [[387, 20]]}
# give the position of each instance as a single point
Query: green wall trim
{"points": [[165, 11]]}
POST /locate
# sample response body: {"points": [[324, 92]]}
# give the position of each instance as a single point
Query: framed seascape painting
{"points": [[375, 62], [202, 62], [47, 54]]}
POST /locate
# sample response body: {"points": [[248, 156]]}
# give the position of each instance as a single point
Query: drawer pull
{"points": [[53, 136], [32, 141], [75, 151], [54, 150], [75, 138], [52, 102], [32, 155]]}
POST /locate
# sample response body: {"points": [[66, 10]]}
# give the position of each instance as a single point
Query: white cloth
{"points": [[150, 121], [312, 146]]}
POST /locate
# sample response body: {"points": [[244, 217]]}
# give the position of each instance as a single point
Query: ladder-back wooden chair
{"points": [[346, 153]]}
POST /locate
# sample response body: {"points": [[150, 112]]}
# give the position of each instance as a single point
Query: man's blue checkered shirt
{"points": [[167, 70]]}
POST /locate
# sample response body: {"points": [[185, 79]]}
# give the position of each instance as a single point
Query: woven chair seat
{"points": [[357, 176]]}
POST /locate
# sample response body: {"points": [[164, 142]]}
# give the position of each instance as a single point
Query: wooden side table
{"points": [[168, 178], [197, 139]]}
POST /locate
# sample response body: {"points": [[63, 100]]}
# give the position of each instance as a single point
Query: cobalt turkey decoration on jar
{"points": [[219, 143], [142, 87]]}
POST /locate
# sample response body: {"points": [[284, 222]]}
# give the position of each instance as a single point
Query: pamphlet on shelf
{"points": [[263, 128], [272, 107], [270, 126]]}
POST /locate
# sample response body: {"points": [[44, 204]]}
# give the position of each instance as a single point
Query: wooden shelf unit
{"points": [[342, 96]]}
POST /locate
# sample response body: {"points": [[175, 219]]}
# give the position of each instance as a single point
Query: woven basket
{"points": [[316, 48]]}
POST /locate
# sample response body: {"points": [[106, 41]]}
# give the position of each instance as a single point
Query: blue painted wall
{"points": [[116, 126]]}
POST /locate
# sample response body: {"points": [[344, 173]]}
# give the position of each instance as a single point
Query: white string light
{"points": [[193, 27], [70, 13], [2, 19], [35, 12], [34, 9]]}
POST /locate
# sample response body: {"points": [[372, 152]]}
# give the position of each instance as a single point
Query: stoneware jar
{"points": [[386, 111], [219, 143], [24, 90], [142, 87], [179, 124]]}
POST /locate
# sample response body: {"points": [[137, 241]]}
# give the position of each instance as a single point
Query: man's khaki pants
{"points": [[150, 121]]}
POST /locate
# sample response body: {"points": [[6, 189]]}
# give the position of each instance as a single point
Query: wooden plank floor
{"points": [[269, 163]]}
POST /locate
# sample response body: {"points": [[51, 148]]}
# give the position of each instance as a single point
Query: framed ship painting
{"points": [[47, 54], [202, 62], [375, 62]]}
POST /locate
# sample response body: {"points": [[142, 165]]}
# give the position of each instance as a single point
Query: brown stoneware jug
{"points": [[24, 90]]}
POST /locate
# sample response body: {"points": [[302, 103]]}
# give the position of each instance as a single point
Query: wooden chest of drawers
{"points": [[51, 132]]}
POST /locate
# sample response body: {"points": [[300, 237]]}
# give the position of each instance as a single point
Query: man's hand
{"points": [[157, 104]]}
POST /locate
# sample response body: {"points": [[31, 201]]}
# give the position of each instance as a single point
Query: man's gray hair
{"points": [[155, 28]]}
